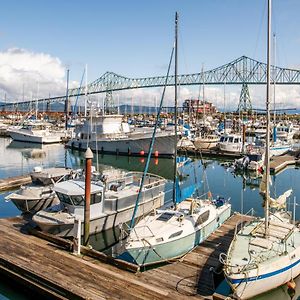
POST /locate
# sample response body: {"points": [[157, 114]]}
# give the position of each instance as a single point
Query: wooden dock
{"points": [[213, 152], [278, 163], [51, 271], [11, 183]]}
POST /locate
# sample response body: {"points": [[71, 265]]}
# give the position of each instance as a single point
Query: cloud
{"points": [[37, 73]]}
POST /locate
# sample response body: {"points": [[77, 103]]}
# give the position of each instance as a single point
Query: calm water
{"points": [[20, 158]]}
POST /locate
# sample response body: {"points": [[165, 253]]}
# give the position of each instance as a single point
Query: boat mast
{"points": [[267, 157], [175, 113], [274, 79], [203, 84]]}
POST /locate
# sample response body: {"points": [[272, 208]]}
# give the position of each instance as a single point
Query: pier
{"points": [[212, 152], [279, 163], [48, 268], [11, 183]]}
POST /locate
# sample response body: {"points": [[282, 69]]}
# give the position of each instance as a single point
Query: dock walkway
{"points": [[14, 182], [55, 273], [279, 163]]}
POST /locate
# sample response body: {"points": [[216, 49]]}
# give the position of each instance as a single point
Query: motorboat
{"points": [[109, 134], [112, 203], [40, 195], [231, 143], [285, 131], [208, 141], [34, 132]]}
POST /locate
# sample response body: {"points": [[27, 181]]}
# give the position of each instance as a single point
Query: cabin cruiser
{"points": [[109, 134], [112, 203], [231, 143], [285, 131], [40, 195], [34, 132]]}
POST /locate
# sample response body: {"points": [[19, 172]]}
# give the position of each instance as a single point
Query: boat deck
{"points": [[50, 270]]}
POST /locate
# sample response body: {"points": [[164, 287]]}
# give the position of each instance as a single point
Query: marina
{"points": [[197, 262], [171, 174]]}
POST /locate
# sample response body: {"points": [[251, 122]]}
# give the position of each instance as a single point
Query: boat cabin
{"points": [[71, 193]]}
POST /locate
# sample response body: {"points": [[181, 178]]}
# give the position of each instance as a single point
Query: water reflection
{"points": [[243, 189]]}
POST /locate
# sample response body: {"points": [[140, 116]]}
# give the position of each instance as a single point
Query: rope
{"points": [[152, 143]]}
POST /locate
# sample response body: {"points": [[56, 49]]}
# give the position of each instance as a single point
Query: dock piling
{"points": [[87, 203]]}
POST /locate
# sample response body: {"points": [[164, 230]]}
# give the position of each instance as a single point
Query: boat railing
{"points": [[242, 223]]}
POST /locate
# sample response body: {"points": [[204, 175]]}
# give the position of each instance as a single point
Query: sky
{"points": [[39, 40]]}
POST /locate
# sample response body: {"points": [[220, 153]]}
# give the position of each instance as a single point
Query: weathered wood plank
{"points": [[66, 275]]}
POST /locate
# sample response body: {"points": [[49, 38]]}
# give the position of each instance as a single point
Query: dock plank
{"points": [[68, 276]]}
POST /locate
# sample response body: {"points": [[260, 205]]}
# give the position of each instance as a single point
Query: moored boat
{"points": [[112, 203], [40, 195]]}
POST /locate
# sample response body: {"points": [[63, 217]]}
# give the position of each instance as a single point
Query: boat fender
{"points": [[291, 285]]}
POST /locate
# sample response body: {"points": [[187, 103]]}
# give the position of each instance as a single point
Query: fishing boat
{"points": [[40, 195], [109, 134], [285, 131], [172, 232], [112, 202], [231, 143], [265, 253]]}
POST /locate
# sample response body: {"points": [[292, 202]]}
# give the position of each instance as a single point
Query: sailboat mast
{"points": [[274, 79], [267, 157], [203, 85], [175, 112]]}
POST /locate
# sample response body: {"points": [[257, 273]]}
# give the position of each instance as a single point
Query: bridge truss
{"points": [[243, 71]]}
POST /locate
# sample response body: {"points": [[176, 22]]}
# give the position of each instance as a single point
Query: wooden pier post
{"points": [[87, 203]]}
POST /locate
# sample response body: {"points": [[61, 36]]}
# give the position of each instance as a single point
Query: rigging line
{"points": [[79, 88], [152, 142], [259, 29]]}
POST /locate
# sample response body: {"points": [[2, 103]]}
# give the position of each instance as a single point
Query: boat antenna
{"points": [[175, 113], [151, 144], [267, 155]]}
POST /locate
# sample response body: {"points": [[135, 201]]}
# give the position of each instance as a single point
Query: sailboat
{"points": [[265, 253], [170, 233]]}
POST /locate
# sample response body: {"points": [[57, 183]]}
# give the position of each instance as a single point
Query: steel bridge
{"points": [[243, 71]]}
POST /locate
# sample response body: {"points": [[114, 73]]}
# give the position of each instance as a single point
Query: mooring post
{"points": [[87, 203], [77, 237]]}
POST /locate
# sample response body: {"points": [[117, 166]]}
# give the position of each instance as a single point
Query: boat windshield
{"points": [[78, 200], [64, 198], [96, 198]]}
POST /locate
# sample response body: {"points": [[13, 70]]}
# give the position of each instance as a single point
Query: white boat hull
{"points": [[163, 145], [30, 138], [268, 277], [205, 143], [105, 222], [161, 252]]}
